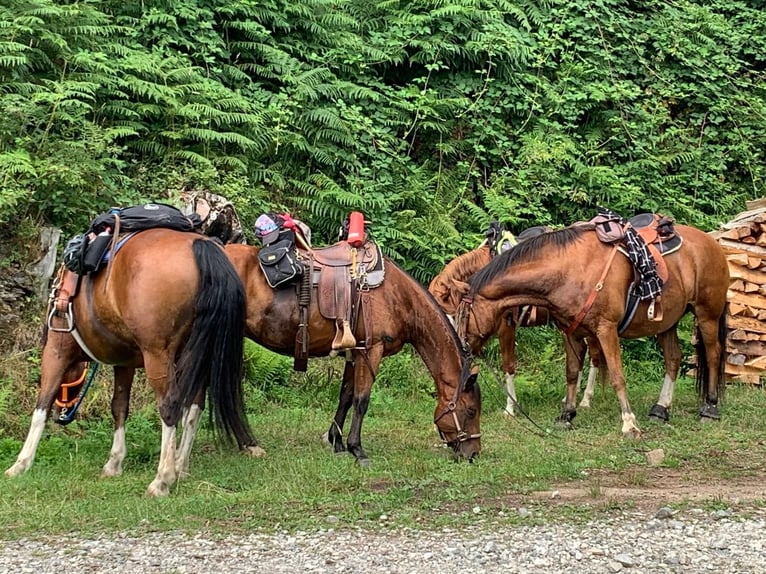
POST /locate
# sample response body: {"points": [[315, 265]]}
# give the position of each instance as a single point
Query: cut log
{"points": [[749, 240], [752, 261], [742, 335], [737, 272], [747, 324], [736, 359], [756, 205], [757, 363], [750, 287], [753, 300], [750, 348], [741, 370], [739, 258], [739, 285], [747, 379], [734, 246]]}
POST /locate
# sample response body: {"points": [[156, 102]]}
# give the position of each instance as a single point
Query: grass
{"points": [[412, 481]]}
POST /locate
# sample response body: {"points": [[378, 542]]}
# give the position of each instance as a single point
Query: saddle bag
{"points": [[280, 264], [609, 229]]}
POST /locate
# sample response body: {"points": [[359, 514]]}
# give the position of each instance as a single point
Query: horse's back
{"points": [[147, 294], [702, 266]]}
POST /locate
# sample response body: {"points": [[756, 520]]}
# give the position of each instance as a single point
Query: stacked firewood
{"points": [[744, 241]]}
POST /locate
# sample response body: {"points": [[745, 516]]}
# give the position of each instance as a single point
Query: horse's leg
{"points": [[507, 337], [189, 423], [596, 362], [610, 347], [60, 363], [161, 376], [711, 335], [345, 400], [671, 351], [364, 374], [575, 354], [123, 382]]}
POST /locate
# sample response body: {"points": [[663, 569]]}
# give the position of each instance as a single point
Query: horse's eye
{"points": [[470, 412]]}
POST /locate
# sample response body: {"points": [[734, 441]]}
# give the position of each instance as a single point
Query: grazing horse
{"points": [[572, 272], [398, 311], [170, 302], [445, 288]]}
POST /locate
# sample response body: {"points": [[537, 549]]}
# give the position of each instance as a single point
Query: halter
{"points": [[462, 436], [463, 315]]}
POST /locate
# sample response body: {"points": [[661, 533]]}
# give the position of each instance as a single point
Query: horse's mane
{"points": [[526, 251], [460, 268]]}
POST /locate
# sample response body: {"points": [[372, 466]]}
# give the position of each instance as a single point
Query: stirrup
{"points": [[67, 315], [654, 312], [344, 338]]}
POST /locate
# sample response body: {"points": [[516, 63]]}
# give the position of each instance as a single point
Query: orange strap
{"points": [[592, 297]]}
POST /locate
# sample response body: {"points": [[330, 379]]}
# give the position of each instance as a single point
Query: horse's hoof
{"points": [[659, 412], [254, 450], [564, 424], [584, 404], [509, 414], [363, 462], [632, 434], [709, 413], [109, 471], [15, 470], [157, 488]]}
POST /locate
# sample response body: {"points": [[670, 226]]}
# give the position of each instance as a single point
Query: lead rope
{"points": [[544, 433]]}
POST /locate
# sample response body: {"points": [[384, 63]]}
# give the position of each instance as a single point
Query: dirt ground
{"points": [[651, 488]]}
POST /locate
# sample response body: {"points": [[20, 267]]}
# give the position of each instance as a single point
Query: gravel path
{"points": [[691, 541]]}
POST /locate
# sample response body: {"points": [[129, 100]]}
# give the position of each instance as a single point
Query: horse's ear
{"points": [[461, 287]]}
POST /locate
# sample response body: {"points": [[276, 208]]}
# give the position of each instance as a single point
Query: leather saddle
{"points": [[339, 273]]}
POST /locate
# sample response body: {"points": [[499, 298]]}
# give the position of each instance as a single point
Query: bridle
{"points": [[462, 435], [463, 315]]}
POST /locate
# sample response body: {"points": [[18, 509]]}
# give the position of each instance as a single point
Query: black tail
{"points": [[703, 374], [213, 355]]}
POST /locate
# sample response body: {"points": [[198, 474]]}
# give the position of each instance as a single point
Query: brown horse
{"points": [[399, 311], [564, 269], [446, 289], [171, 303]]}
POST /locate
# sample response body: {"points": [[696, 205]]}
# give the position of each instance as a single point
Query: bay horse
{"points": [[446, 289], [172, 304], [398, 311], [563, 270]]}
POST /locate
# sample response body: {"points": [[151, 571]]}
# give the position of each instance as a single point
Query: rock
{"points": [[655, 457], [664, 513]]}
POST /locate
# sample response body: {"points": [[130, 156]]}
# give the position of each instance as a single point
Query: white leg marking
{"points": [[510, 402], [113, 466], [190, 424], [590, 387], [28, 451], [629, 427], [166, 471], [666, 395]]}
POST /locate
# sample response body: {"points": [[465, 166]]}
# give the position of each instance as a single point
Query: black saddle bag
{"points": [[280, 264]]}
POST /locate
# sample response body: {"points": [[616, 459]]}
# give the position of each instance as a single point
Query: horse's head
{"points": [[476, 319], [458, 417]]}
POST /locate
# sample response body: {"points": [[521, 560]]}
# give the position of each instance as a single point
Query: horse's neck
{"points": [[435, 341], [465, 265], [543, 280]]}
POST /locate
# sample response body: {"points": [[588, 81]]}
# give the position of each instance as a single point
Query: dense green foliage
{"points": [[431, 116]]}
